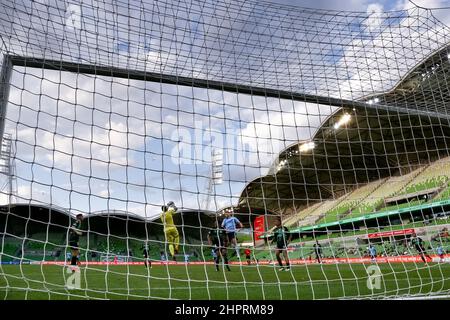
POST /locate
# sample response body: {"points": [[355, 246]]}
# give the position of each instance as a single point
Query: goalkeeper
{"points": [[170, 230]]}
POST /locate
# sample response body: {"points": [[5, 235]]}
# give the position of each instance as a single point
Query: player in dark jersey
{"points": [[217, 238], [281, 237], [74, 237], [147, 261], [418, 244], [318, 251]]}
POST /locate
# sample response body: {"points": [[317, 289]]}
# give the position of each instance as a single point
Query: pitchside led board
{"points": [[258, 229]]}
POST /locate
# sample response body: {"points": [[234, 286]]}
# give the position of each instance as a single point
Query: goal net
{"points": [[222, 150]]}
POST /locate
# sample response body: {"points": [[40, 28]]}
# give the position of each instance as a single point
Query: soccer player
{"points": [[318, 251], [418, 244], [282, 237], [218, 239], [229, 224], [247, 252], [74, 236], [440, 252], [214, 253], [147, 261], [170, 230], [372, 253]]}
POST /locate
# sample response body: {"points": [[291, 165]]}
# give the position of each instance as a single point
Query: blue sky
{"points": [[94, 143]]}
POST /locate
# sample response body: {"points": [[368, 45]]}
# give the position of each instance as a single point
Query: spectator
{"points": [[372, 253]]}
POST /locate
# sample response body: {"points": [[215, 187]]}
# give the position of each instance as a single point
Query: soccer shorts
{"points": [[231, 236], [172, 237]]}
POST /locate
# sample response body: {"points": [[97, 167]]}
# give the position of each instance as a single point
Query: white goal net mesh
{"points": [[222, 150]]}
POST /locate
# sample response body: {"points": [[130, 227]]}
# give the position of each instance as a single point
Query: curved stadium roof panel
{"points": [[374, 144], [235, 44]]}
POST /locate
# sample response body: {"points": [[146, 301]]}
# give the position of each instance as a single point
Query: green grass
{"points": [[202, 282]]}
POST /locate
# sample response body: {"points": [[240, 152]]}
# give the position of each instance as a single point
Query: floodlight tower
{"points": [[7, 169], [216, 175]]}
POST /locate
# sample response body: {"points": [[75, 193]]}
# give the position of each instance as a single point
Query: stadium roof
{"points": [[115, 213], [127, 215], [425, 88], [372, 143], [36, 207]]}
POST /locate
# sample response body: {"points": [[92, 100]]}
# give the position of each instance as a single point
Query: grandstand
{"points": [[421, 185], [39, 233]]}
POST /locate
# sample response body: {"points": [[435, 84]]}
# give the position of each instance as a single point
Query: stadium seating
{"points": [[293, 219], [370, 197], [318, 213], [434, 175], [351, 200], [390, 187]]}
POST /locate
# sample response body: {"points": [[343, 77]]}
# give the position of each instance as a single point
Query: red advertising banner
{"points": [[258, 227], [391, 233]]}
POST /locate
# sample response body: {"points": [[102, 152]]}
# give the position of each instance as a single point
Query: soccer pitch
{"points": [[202, 282]]}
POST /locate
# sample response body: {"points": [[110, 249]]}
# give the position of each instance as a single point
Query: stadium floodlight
{"points": [[372, 101], [343, 121], [281, 165], [307, 146]]}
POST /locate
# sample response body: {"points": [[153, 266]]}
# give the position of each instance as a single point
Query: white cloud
{"points": [[375, 16], [104, 193]]}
